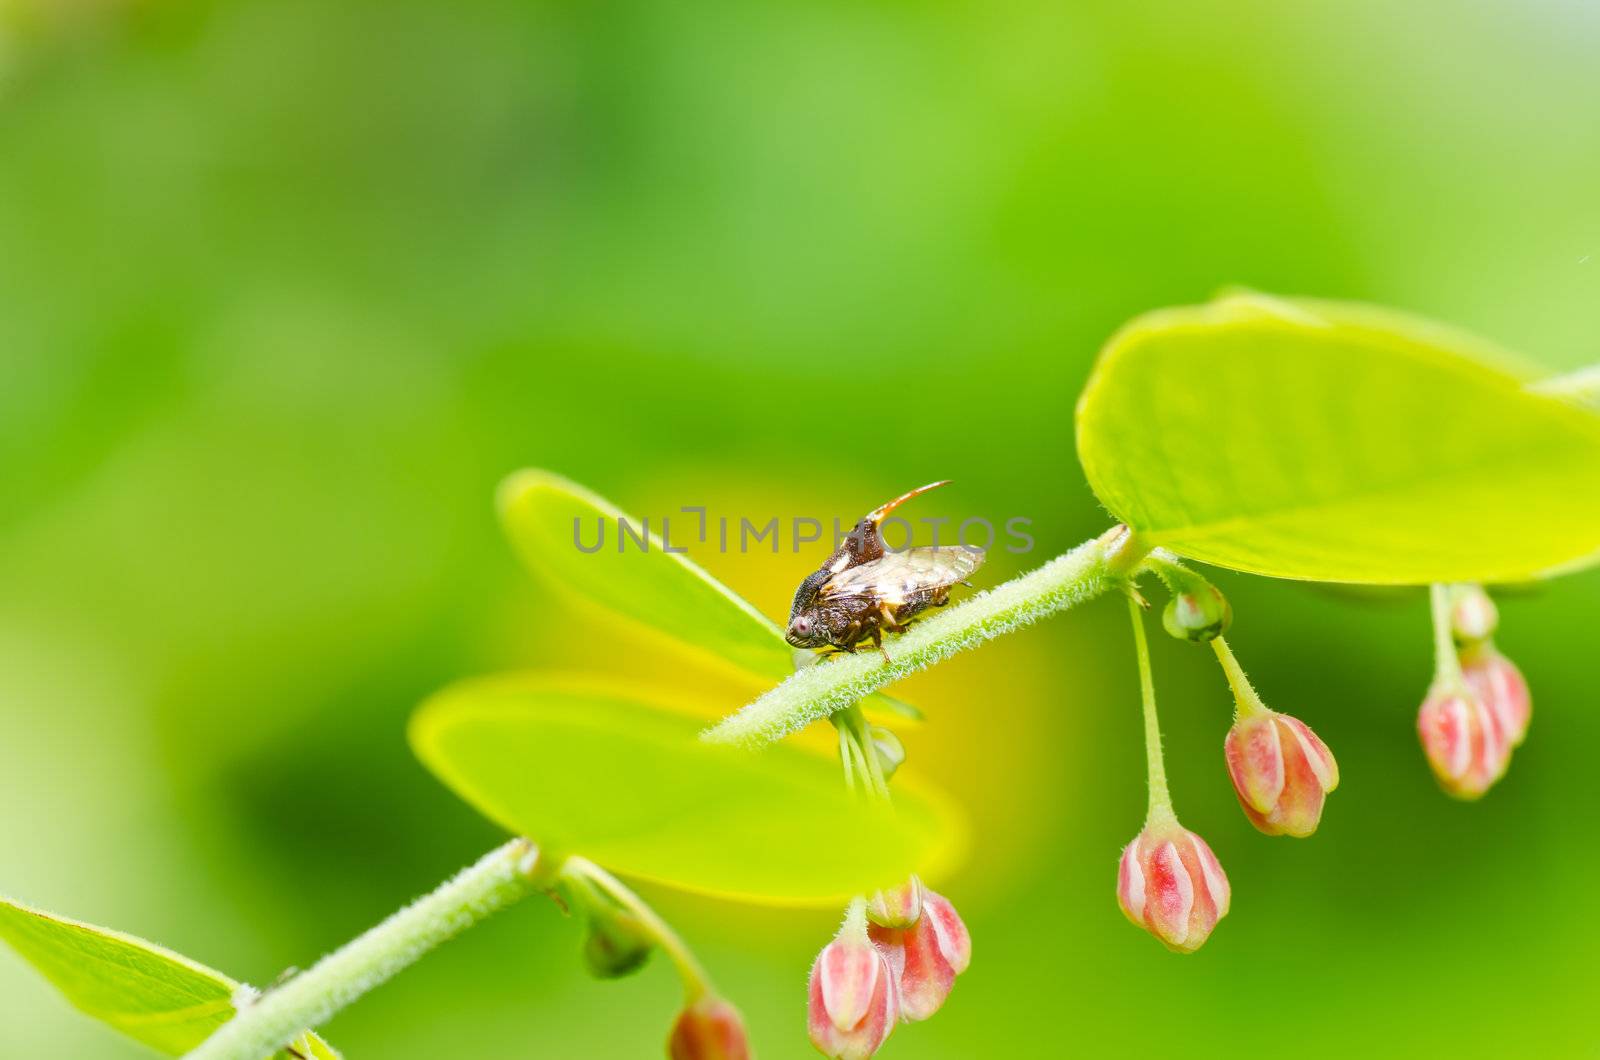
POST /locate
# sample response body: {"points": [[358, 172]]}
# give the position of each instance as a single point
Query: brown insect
{"points": [[864, 589]]}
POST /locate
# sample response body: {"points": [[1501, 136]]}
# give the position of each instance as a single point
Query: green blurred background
{"points": [[286, 288]]}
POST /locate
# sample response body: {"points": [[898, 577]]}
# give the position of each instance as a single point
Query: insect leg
{"points": [[852, 633], [877, 640]]}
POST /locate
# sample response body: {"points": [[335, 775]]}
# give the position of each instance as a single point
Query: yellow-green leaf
{"points": [[608, 773], [310, 1047], [1335, 442], [546, 518], [146, 991]]}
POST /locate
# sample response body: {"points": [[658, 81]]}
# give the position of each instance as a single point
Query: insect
{"points": [[864, 589]]}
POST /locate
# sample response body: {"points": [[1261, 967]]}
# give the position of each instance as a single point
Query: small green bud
{"points": [[616, 942], [1199, 613], [615, 946], [887, 746]]}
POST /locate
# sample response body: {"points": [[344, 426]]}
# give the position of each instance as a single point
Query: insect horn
{"points": [[877, 514]]}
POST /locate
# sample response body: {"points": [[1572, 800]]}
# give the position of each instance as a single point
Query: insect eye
{"points": [[802, 625]]}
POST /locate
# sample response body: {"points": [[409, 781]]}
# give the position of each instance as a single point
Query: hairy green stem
{"points": [[857, 735], [819, 691], [500, 878], [1246, 701], [1160, 811], [857, 776], [847, 756]]}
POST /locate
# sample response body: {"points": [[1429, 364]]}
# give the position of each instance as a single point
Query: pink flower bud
{"points": [[709, 1029], [1170, 884], [955, 942], [1281, 772], [897, 907], [1464, 742], [927, 956], [1497, 681], [853, 1002], [921, 973]]}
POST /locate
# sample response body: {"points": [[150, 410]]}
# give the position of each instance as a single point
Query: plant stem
{"points": [[308, 1000], [857, 735], [858, 777], [1160, 810], [869, 754], [1173, 574], [696, 984], [818, 691], [1246, 701], [847, 754], [1446, 664]]}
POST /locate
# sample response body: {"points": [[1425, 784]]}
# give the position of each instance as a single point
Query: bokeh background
{"points": [[286, 288]]}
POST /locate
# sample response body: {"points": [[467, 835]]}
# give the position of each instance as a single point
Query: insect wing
{"points": [[898, 575]]}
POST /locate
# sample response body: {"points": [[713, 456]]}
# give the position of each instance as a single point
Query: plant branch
{"points": [[818, 691], [499, 879]]}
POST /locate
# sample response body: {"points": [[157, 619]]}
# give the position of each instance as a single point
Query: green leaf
{"points": [[147, 992], [1581, 387], [605, 772], [546, 516], [1336, 442]]}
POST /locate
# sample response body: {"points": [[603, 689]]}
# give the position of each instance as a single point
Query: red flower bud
{"points": [[1497, 681], [709, 1029], [1281, 772], [1170, 884], [853, 1001], [927, 956], [1464, 742]]}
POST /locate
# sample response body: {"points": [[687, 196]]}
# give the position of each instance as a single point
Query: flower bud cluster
{"points": [[1168, 880], [1479, 706], [894, 960]]}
